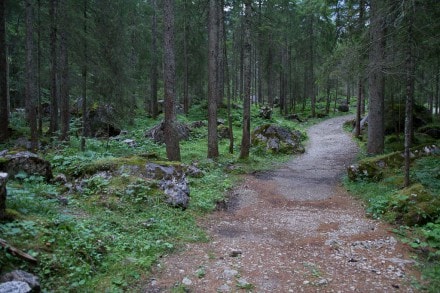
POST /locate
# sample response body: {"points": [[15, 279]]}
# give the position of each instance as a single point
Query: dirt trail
{"points": [[294, 229]]}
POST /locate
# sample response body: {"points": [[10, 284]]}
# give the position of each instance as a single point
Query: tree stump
{"points": [[3, 180]]}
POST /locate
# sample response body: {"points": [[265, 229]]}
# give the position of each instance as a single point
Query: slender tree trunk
{"points": [[31, 81], [64, 85], [213, 73], [376, 133], [228, 89], [220, 59], [54, 126], [328, 100], [410, 77], [357, 132], [40, 110], [311, 68], [260, 57], [437, 85], [185, 60], [84, 81], [154, 109], [4, 112], [171, 136], [246, 138], [270, 74]]}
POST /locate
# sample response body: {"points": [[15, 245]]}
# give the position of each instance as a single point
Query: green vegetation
{"points": [[104, 233], [415, 210]]}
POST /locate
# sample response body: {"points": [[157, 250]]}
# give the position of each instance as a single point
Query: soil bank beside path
{"points": [[294, 229]]}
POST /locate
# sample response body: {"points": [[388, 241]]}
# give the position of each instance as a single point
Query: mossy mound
{"points": [[375, 168], [415, 205], [431, 130], [277, 139]]}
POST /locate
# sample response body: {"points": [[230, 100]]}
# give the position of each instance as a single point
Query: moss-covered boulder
{"points": [[157, 133], [415, 205], [27, 162], [374, 168], [277, 139], [431, 130]]}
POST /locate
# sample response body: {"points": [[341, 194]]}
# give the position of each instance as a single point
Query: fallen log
{"points": [[17, 252]]}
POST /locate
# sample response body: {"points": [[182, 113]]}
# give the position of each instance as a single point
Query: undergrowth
{"points": [[414, 211], [105, 234]]}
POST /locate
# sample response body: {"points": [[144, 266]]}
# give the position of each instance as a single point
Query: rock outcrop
{"points": [[277, 139], [30, 163]]}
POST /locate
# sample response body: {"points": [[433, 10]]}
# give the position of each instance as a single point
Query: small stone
{"points": [[186, 281], [235, 253], [224, 288], [229, 273], [306, 282], [243, 283], [322, 282]]}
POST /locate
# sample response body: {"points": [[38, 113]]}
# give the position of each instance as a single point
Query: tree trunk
{"points": [[171, 136], [410, 77], [154, 109], [228, 89], [246, 138], [213, 73], [31, 81], [3, 180], [64, 81], [220, 57], [437, 85], [185, 60], [53, 126], [375, 144], [84, 81], [270, 74], [311, 69], [4, 112], [357, 132], [40, 110]]}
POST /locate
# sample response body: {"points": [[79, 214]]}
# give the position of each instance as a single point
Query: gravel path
{"points": [[294, 229]]}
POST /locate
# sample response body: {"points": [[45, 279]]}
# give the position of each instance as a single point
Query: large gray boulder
{"points": [[21, 276], [30, 163], [15, 287], [277, 139], [157, 133], [172, 181]]}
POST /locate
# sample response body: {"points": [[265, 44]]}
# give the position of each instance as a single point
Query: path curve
{"points": [[294, 229]]}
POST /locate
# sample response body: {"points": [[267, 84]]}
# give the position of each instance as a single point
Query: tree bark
{"points": [[410, 77], [154, 110], [357, 132], [246, 138], [213, 72], [84, 81], [31, 81], [40, 110], [64, 81], [185, 61], [53, 125], [4, 112], [376, 133], [3, 191], [171, 137]]}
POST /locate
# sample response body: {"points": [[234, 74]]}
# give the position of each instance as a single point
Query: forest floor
{"points": [[294, 229]]}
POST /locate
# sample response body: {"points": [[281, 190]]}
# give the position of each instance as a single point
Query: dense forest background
{"points": [[64, 61], [86, 84]]}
